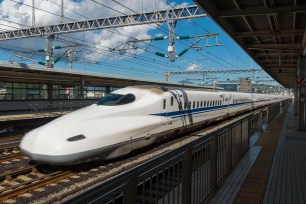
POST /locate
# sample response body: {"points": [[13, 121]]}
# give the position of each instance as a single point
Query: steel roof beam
{"points": [[107, 22], [232, 71], [276, 54], [269, 33], [289, 47], [263, 11]]}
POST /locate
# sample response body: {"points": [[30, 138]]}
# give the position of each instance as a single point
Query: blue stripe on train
{"points": [[181, 113]]}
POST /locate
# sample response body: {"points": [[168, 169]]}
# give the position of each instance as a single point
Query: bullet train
{"points": [[131, 118]]}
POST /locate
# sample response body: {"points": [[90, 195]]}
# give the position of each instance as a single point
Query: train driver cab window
{"points": [[116, 99], [171, 100], [164, 104]]}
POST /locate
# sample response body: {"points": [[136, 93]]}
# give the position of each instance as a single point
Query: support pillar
{"points": [[50, 97], [108, 90], [259, 122], [82, 91], [267, 116], [302, 94]]}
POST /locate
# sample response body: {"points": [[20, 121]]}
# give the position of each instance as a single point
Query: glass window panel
{"points": [[20, 85], [20, 94]]}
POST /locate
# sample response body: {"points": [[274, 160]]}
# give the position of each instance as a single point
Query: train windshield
{"points": [[116, 99]]}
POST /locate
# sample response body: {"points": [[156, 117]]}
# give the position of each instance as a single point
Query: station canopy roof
{"points": [[28, 73], [272, 32]]}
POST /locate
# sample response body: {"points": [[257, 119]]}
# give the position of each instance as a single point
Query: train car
{"points": [[131, 118]]}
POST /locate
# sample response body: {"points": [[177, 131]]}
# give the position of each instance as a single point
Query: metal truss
{"points": [[230, 71], [237, 81], [181, 13]]}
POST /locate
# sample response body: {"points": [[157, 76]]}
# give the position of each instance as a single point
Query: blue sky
{"points": [[138, 64]]}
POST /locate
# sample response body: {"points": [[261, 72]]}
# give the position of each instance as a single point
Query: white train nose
{"points": [[35, 145]]}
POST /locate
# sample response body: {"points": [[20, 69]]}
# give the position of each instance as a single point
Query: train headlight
{"points": [[76, 138]]}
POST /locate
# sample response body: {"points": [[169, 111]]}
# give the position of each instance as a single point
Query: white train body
{"points": [[131, 118]]}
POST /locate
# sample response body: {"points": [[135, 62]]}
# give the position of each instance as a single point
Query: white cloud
{"points": [[193, 67], [22, 15]]}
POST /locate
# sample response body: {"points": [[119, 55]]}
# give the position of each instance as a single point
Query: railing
{"points": [[189, 174]]}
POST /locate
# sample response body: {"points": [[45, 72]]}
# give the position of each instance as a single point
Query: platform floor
{"points": [[274, 169], [16, 117], [287, 181]]}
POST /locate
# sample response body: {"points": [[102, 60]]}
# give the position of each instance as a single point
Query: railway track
{"points": [[10, 153], [9, 138], [23, 186], [11, 141]]}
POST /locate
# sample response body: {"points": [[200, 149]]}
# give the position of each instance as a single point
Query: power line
{"points": [[121, 12]]}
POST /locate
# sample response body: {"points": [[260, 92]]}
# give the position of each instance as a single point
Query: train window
{"points": [[116, 99], [198, 104], [185, 105], [193, 105], [204, 103], [189, 105], [201, 104], [171, 100], [180, 106], [164, 104]]}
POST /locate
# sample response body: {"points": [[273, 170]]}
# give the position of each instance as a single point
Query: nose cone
{"points": [[34, 143], [41, 147]]}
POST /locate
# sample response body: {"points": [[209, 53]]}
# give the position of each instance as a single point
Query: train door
{"points": [[164, 109], [172, 107]]}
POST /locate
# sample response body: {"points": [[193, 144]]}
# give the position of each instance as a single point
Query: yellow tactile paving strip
{"points": [[253, 188]]}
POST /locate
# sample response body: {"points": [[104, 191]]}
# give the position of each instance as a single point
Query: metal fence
{"points": [[189, 174]]}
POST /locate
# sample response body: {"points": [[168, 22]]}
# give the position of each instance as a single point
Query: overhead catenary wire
{"points": [[121, 12], [74, 20], [175, 33]]}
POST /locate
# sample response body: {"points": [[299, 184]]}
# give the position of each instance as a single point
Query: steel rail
{"points": [[33, 184]]}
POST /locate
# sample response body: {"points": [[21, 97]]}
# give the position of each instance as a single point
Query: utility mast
{"points": [[171, 22], [33, 13], [50, 52], [62, 12]]}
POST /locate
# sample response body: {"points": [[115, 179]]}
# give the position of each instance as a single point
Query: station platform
{"points": [[16, 117], [273, 170], [16, 121]]}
